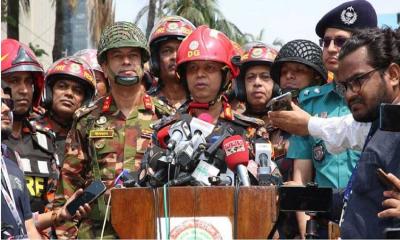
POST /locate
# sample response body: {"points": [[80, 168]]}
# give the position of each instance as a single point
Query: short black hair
{"points": [[383, 46]]}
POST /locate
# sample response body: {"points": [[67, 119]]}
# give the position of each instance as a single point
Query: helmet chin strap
{"points": [[124, 80]]}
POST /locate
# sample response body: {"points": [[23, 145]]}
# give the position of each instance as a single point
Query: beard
{"points": [[5, 132], [373, 112]]}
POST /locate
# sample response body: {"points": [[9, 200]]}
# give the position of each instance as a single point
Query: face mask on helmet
{"points": [[71, 67]]}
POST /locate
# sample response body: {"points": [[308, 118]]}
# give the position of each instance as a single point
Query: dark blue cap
{"points": [[348, 16]]}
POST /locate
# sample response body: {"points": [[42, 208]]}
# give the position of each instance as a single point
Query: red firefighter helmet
{"points": [[73, 68], [257, 54], [90, 56], [208, 45], [172, 27], [17, 57]]}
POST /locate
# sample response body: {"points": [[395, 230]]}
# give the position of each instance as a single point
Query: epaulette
{"points": [[247, 121], [164, 121], [163, 108], [315, 91], [85, 110]]}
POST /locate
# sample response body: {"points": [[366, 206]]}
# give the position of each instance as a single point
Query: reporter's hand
{"points": [[82, 212], [294, 122], [392, 203]]}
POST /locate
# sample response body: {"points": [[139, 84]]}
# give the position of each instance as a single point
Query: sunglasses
{"points": [[337, 41], [9, 102]]}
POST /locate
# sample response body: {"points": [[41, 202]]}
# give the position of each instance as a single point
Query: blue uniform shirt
{"points": [[332, 170]]}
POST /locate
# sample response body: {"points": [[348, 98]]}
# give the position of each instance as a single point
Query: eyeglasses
{"points": [[337, 41], [354, 83], [9, 102]]}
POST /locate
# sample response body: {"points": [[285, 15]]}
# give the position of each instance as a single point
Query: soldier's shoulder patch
{"points": [[83, 111], [248, 121], [162, 107], [314, 92]]}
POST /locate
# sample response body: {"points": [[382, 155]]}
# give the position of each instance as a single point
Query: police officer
{"points": [[35, 147], [90, 57], [334, 28], [165, 38], [69, 84], [113, 133]]}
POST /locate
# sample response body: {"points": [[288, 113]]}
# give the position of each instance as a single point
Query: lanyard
{"points": [[9, 196], [348, 190]]}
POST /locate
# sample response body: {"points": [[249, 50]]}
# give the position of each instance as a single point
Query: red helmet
{"points": [[258, 54], [90, 56], [172, 27], [17, 57], [74, 68], [209, 45]]}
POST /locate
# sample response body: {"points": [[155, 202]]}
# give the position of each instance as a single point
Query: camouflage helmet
{"points": [[122, 34]]}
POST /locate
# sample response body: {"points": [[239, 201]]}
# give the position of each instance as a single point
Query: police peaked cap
{"points": [[357, 14]]}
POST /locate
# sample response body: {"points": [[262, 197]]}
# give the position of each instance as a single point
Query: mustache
{"points": [[355, 100]]}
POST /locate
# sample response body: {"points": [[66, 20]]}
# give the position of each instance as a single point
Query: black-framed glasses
{"points": [[9, 102], [337, 41], [354, 84]]}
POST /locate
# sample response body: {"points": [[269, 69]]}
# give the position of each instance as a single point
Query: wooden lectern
{"points": [[134, 215]]}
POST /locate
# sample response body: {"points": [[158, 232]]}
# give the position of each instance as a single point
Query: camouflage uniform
{"points": [[164, 108], [102, 136]]}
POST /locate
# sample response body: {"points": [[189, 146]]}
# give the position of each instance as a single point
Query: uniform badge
{"points": [[318, 152], [172, 27], [257, 53], [194, 45], [100, 144], [107, 104], [101, 121], [146, 133], [348, 16], [101, 133], [147, 103]]}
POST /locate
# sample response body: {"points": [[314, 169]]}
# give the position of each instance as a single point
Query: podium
{"points": [[135, 211]]}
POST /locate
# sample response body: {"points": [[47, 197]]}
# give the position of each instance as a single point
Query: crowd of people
{"points": [[103, 112]]}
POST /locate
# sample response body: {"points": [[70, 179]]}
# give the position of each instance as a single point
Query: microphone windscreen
{"points": [[206, 117], [236, 150], [163, 136]]}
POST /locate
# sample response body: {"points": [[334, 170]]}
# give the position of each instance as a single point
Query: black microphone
{"points": [[221, 180], [183, 179]]}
